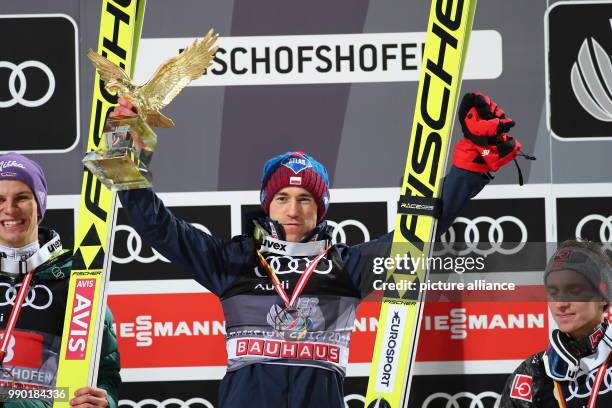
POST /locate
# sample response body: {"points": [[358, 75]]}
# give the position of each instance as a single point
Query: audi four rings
{"points": [[17, 94], [283, 264], [472, 236], [170, 402], [39, 297], [476, 400], [575, 392]]}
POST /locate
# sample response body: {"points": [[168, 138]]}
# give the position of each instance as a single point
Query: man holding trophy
{"points": [[288, 333]]}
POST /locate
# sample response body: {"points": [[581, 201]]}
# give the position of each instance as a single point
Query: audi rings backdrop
{"points": [[338, 80]]}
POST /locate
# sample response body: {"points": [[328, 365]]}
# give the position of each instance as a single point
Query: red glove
{"points": [[481, 159], [481, 119], [486, 146]]}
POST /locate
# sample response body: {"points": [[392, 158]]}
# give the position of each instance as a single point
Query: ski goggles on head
{"points": [[559, 363]]}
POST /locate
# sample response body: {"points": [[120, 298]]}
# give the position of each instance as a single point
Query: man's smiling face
{"points": [[18, 214]]}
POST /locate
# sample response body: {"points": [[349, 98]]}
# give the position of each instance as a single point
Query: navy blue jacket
{"points": [[216, 263]]}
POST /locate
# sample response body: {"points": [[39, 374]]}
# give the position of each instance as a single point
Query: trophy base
{"points": [[123, 165], [117, 169]]}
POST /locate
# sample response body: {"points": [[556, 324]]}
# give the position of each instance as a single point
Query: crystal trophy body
{"points": [[124, 163]]}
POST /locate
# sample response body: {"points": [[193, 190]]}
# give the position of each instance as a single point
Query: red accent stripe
{"points": [[10, 326], [597, 383], [297, 291], [278, 287]]}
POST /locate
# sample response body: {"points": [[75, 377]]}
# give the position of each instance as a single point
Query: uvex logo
{"points": [[274, 245], [427, 148], [80, 318], [53, 246]]}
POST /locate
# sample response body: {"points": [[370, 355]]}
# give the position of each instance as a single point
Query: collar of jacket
{"points": [[265, 226], [601, 353], [59, 266]]}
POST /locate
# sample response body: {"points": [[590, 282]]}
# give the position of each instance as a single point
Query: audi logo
{"points": [[17, 93], [339, 234], [134, 246], [39, 297], [471, 236], [192, 402], [605, 230], [283, 264], [476, 400], [574, 387], [452, 401]]}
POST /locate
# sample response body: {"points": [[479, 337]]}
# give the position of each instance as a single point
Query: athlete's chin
{"points": [[293, 237], [13, 239], [567, 325], [294, 233]]}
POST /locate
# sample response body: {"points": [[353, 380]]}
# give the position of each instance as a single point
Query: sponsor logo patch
{"points": [[522, 388], [297, 163], [577, 69], [288, 349], [39, 80], [393, 333], [80, 319], [595, 337], [25, 349]]}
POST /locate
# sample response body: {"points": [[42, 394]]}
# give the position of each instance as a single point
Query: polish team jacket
{"points": [[529, 387], [259, 329]]}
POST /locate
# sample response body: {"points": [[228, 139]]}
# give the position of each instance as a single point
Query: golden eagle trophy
{"points": [[130, 142]]}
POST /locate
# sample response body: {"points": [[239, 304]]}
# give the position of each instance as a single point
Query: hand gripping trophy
{"points": [[130, 142]]}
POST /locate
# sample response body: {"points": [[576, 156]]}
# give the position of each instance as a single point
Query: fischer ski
{"points": [[446, 44], [120, 28]]}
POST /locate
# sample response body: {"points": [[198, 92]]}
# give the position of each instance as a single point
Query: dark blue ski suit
{"points": [[263, 369]]}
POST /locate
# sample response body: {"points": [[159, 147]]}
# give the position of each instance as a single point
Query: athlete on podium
{"points": [[288, 293], [33, 305]]}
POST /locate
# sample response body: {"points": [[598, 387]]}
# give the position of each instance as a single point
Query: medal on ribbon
{"points": [[290, 322]]}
